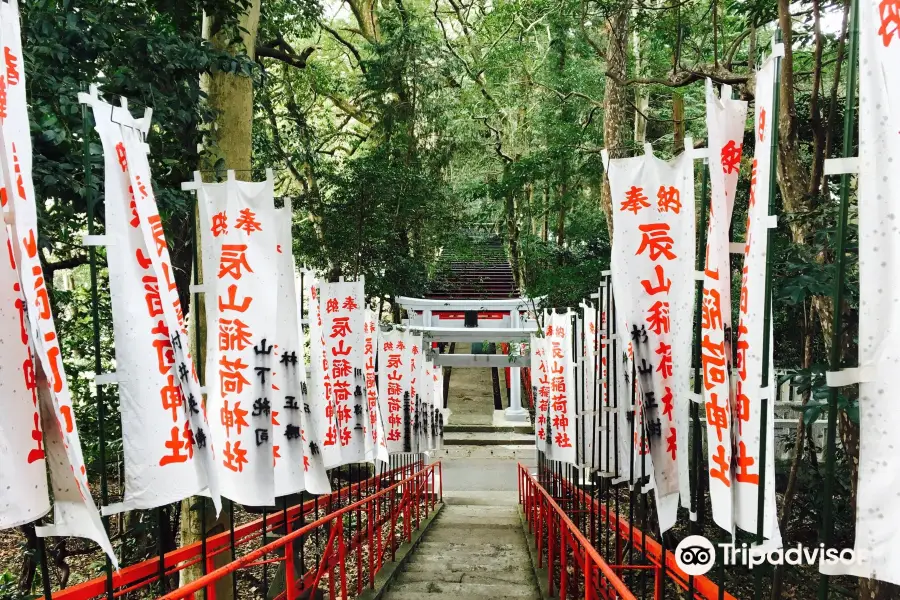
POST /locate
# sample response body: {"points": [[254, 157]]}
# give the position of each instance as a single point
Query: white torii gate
{"points": [[442, 321]]}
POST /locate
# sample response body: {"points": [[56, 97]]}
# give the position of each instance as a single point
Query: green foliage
{"points": [[9, 588], [381, 219], [155, 58], [567, 275]]}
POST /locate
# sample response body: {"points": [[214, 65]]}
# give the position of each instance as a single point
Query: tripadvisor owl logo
{"points": [[695, 555]]}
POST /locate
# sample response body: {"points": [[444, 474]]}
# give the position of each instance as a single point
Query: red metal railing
{"points": [[373, 521], [409, 500], [572, 562], [703, 588]]}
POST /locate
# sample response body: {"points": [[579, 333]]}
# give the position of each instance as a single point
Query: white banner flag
{"points": [[167, 458], [750, 391], [343, 318], [540, 388], [313, 464], [562, 419], [414, 358], [607, 454], [376, 444], [877, 535], [323, 416], [296, 468], [74, 511], [240, 232], [428, 404], [725, 120], [436, 403], [423, 388], [652, 269], [24, 497], [591, 404], [393, 380]]}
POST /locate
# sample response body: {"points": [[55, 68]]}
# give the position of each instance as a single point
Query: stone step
{"points": [[465, 428], [461, 551], [499, 509], [433, 589], [489, 515], [401, 595], [464, 522], [485, 512], [467, 575], [487, 438], [481, 499], [517, 567], [484, 534], [471, 518], [513, 451]]}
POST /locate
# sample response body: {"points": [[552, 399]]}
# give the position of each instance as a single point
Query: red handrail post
{"points": [[342, 557], [289, 576], [416, 491], [551, 542], [588, 571], [378, 544], [289, 583], [539, 514], [369, 518], [394, 525], [210, 589], [563, 565], [407, 513], [659, 584], [519, 473]]}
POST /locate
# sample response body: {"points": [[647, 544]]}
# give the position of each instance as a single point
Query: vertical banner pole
{"points": [[95, 317], [697, 443], [697, 503], [161, 549], [767, 320], [834, 357], [234, 574], [198, 365]]}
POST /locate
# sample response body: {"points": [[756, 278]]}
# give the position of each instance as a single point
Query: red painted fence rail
{"points": [[566, 547], [661, 562], [385, 509], [406, 499]]}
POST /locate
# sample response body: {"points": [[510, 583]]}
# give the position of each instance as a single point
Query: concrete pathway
{"points": [[478, 456], [476, 548], [475, 552], [471, 395]]}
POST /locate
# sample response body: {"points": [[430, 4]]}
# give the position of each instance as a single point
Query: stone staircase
{"points": [[480, 270], [470, 551]]}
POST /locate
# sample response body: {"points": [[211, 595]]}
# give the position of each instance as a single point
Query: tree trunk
{"points": [[545, 209], [562, 207], [678, 118], [615, 100], [512, 231], [231, 97], [529, 196], [29, 566], [641, 95]]}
